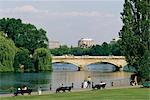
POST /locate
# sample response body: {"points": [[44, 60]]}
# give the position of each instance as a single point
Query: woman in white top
{"points": [[85, 84]]}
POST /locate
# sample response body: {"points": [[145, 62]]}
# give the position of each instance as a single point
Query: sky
{"points": [[67, 21]]}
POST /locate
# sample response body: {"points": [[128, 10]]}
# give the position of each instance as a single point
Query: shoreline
{"points": [[73, 90]]}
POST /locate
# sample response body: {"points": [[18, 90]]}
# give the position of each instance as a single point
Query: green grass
{"points": [[107, 94]]}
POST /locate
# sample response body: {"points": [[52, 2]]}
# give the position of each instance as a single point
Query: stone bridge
{"points": [[82, 61]]}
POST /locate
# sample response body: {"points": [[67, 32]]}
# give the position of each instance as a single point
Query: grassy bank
{"points": [[107, 94]]}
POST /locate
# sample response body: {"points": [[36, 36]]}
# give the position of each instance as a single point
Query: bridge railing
{"points": [[96, 57]]}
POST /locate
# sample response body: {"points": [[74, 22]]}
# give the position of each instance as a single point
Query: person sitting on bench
{"points": [[24, 88], [102, 84]]}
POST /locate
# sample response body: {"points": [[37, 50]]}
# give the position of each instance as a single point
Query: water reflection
{"points": [[102, 67], [58, 77], [119, 78], [32, 80]]}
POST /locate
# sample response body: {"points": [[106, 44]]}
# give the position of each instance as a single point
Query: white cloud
{"points": [[26, 8], [22, 9], [80, 14], [32, 10]]}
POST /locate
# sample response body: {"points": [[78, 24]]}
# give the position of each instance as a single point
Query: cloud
{"points": [[26, 8], [32, 10], [80, 14], [22, 9]]}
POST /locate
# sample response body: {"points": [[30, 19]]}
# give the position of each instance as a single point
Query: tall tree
{"points": [[7, 53], [135, 33]]}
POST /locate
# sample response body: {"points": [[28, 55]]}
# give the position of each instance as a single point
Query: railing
{"points": [[93, 57]]}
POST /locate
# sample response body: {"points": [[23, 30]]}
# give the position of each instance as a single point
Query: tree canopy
{"points": [[42, 59], [23, 61], [7, 53], [105, 49], [26, 38], [24, 35], [135, 33]]}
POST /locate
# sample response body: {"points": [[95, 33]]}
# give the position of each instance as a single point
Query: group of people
{"points": [[87, 83], [23, 88]]}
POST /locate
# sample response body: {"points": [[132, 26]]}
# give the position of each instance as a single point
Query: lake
{"points": [[64, 74]]}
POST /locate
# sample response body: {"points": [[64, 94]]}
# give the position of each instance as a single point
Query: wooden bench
{"points": [[98, 86], [22, 92], [68, 88]]}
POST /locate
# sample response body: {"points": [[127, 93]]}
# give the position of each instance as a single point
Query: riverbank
{"points": [[73, 90], [134, 91]]}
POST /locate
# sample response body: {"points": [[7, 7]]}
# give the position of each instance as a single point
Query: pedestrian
{"points": [[82, 85], [50, 87], [85, 84], [88, 82], [112, 83], [39, 91]]}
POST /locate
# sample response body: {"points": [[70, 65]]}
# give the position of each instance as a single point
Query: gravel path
{"points": [[73, 90]]}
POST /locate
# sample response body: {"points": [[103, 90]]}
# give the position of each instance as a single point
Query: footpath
{"points": [[73, 90]]}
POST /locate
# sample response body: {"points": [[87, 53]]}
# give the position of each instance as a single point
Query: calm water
{"points": [[64, 74]]}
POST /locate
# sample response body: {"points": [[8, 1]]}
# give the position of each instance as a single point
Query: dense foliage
{"points": [[145, 66], [42, 59], [135, 35], [23, 61], [7, 53], [24, 35], [97, 50], [27, 38]]}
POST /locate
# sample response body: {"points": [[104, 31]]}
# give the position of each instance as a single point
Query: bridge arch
{"points": [[65, 62], [113, 65], [103, 63]]}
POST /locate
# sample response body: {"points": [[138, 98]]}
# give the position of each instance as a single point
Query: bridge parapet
{"points": [[82, 61], [86, 57]]}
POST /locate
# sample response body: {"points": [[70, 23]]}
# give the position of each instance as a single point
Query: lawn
{"points": [[107, 94]]}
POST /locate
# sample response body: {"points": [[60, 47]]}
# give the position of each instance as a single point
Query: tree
{"points": [[135, 33], [145, 66], [23, 61], [95, 50], [24, 35], [42, 60], [105, 49], [7, 53], [77, 51], [116, 49]]}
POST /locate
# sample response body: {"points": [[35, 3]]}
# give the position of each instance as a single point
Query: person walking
{"points": [[39, 91], [89, 82]]}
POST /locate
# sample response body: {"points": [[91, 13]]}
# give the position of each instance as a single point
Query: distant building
{"points": [[85, 42], [54, 44]]}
